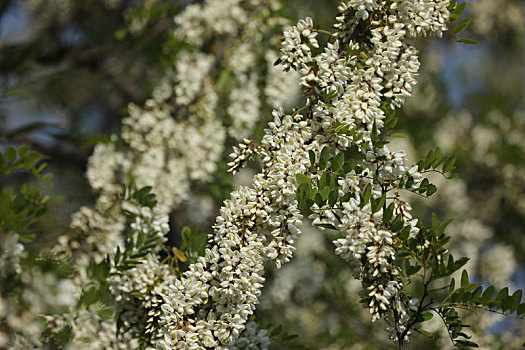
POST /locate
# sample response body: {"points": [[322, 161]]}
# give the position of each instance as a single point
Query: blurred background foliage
{"points": [[68, 70]]}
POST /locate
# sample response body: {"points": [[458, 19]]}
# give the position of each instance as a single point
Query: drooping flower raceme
{"points": [[175, 138], [351, 88]]}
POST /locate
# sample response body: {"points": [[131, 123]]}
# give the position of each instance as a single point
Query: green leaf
{"points": [[435, 223], [516, 299], [429, 159], [338, 161], [467, 41], [444, 225], [302, 179], [457, 295], [30, 160], [521, 310], [438, 158], [425, 333], [458, 11], [323, 159], [377, 205], [464, 279], [400, 135], [426, 315], [276, 331], [397, 224], [387, 215], [117, 256], [431, 189], [457, 264], [349, 165], [411, 270], [366, 195], [304, 194], [476, 293], [22, 150], [465, 344], [186, 235], [311, 154], [462, 25], [10, 154], [448, 164], [26, 237], [324, 181], [325, 192], [319, 199], [502, 295], [332, 197], [106, 313], [488, 293]]}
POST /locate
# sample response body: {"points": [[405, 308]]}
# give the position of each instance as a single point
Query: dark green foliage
{"points": [[421, 256], [144, 197], [21, 206], [193, 244], [282, 336]]}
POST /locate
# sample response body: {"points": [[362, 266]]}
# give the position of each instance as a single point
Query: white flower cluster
{"points": [[90, 331], [190, 71], [244, 108], [42, 292], [97, 235], [175, 138], [10, 255], [135, 290], [368, 244], [253, 338], [349, 85], [198, 23], [281, 88], [209, 305], [296, 52], [138, 292]]}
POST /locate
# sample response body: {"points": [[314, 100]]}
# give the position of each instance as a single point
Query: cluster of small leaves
{"points": [[193, 246], [136, 247], [98, 289], [472, 295], [434, 159], [282, 336], [455, 327], [325, 190], [425, 255], [456, 11], [144, 197], [21, 207]]}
